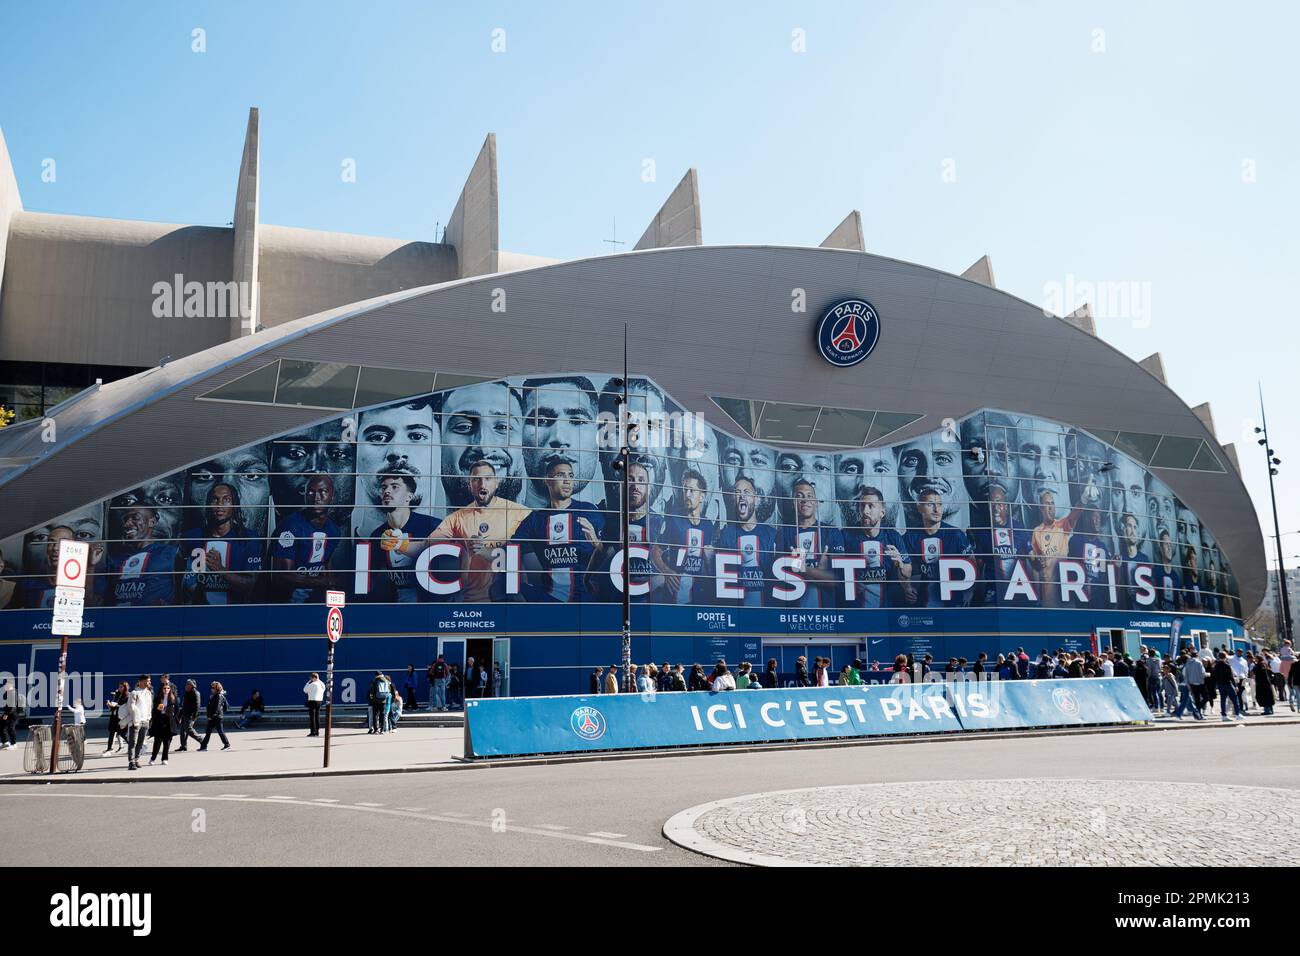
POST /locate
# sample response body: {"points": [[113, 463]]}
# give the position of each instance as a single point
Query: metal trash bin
{"points": [[40, 738]]}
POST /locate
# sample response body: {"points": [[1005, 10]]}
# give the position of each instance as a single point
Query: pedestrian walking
{"points": [[1190, 688], [217, 707], [1225, 684], [801, 672], [189, 714], [116, 716], [771, 680], [1264, 686], [139, 711], [611, 679], [596, 679], [455, 689], [160, 723], [314, 690]]}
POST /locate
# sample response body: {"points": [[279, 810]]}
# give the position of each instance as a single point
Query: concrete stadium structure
{"points": [[338, 327]]}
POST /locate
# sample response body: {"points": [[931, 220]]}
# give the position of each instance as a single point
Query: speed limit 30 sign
{"points": [[334, 624]]}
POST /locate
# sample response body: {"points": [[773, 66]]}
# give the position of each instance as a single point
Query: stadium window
{"points": [[1206, 460], [782, 422], [256, 386], [1138, 446], [316, 384], [379, 385], [1175, 452]]}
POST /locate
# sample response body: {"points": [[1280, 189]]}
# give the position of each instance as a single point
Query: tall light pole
{"points": [[1272, 462], [623, 464]]}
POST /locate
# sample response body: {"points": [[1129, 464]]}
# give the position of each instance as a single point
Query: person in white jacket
{"points": [[315, 691], [723, 680], [139, 710]]}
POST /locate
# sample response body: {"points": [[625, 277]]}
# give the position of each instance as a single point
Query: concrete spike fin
{"points": [[246, 222], [677, 223], [1154, 364], [1230, 452], [10, 202], [1081, 318], [847, 235], [981, 271], [1204, 413], [473, 229]]}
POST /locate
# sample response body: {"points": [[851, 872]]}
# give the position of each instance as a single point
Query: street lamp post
{"points": [[624, 461], [1284, 632]]}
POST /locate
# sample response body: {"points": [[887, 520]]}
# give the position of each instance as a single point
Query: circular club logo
{"points": [[1066, 702], [847, 332], [904, 620], [588, 723]]}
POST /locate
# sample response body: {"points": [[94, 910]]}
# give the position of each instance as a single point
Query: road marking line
{"points": [[412, 809], [367, 804], [184, 794], [454, 813], [324, 800], [607, 836], [456, 817], [550, 826]]}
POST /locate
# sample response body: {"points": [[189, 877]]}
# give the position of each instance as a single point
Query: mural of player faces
{"points": [[815, 467], [559, 426], [246, 471], [867, 468], [1188, 532], [398, 439], [932, 462], [988, 444], [1040, 466], [482, 422], [164, 496], [86, 524], [325, 449], [1129, 493], [1161, 513], [742, 457], [695, 447], [647, 437]]}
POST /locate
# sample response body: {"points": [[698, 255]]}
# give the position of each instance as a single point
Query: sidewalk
{"points": [[278, 752], [285, 752]]}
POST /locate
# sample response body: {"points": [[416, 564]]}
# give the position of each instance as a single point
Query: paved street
{"points": [[612, 812]]}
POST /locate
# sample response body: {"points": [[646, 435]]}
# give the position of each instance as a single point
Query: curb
{"points": [[461, 763]]}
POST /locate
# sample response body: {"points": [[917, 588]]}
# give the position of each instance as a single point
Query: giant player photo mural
{"points": [[507, 491]]}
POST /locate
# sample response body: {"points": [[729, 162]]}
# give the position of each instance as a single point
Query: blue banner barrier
{"points": [[507, 727]]}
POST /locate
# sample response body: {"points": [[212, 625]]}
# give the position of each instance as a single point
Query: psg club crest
{"points": [[847, 332], [588, 723], [1066, 702]]}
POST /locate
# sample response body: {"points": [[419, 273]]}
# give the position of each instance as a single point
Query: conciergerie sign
{"points": [[504, 727]]}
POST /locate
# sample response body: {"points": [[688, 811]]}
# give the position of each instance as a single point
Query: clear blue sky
{"points": [[1116, 166]]}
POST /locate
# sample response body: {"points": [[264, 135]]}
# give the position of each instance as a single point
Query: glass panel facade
{"points": [[318, 384]]}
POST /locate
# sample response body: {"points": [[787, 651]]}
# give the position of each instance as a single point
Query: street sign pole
{"points": [[329, 701], [333, 631], [70, 597]]}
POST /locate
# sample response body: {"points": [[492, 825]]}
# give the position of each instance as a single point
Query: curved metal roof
{"points": [[702, 321]]}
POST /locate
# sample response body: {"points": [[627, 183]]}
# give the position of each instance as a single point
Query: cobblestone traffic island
{"points": [[1034, 822]]}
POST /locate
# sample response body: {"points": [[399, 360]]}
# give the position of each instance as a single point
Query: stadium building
{"points": [[832, 453]]}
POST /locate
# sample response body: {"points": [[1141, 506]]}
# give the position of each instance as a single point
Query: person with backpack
{"points": [[139, 711], [380, 691], [217, 707], [438, 675]]}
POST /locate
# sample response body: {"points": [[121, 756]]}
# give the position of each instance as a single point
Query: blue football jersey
{"points": [[309, 548], [757, 549], [872, 584], [926, 549], [563, 551], [240, 551]]}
